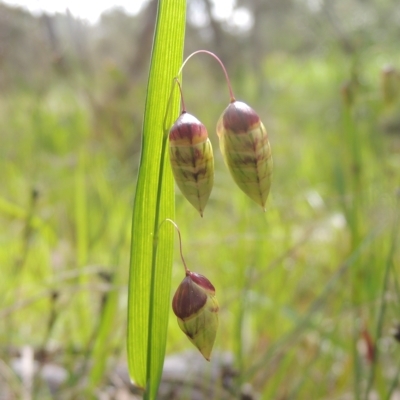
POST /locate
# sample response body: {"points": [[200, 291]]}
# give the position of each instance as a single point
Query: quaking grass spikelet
{"points": [[246, 150], [192, 160], [191, 157], [196, 307]]}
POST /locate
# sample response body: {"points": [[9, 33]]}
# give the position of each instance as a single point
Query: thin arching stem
{"points": [[180, 242], [180, 90], [169, 104], [168, 109], [232, 97]]}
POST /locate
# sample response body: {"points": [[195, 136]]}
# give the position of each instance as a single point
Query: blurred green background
{"points": [[309, 291]]}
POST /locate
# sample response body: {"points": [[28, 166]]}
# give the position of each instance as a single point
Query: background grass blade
{"points": [[151, 263]]}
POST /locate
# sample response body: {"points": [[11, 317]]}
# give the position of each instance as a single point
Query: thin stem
{"points": [[182, 101], [232, 97], [382, 308], [180, 241], [168, 110]]}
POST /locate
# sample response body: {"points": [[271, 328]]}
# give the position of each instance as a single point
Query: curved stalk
{"points": [[231, 95]]}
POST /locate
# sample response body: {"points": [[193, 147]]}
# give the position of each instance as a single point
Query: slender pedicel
{"points": [[180, 240], [232, 97]]}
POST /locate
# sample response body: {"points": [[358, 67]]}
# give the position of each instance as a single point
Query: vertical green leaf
{"points": [[151, 260]]}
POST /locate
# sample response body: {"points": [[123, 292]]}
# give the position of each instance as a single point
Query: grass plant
{"points": [[297, 285]]}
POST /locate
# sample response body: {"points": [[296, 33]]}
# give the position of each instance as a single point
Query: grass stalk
{"points": [[353, 170], [151, 249], [382, 307], [81, 232]]}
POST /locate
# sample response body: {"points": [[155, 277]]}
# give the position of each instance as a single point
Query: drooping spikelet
{"points": [[246, 150], [196, 308], [192, 160]]}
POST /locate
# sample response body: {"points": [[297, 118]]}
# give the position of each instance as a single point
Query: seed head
{"points": [[196, 308], [192, 160], [246, 150]]}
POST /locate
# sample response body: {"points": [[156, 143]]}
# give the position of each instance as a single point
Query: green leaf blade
{"points": [[150, 266]]}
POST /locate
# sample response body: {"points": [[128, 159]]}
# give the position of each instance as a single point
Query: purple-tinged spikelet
{"points": [[246, 150], [192, 160], [196, 308]]}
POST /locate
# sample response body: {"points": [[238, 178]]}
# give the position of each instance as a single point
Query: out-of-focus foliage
{"points": [[32, 48]]}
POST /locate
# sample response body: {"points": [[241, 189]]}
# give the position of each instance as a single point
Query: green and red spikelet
{"points": [[246, 150], [196, 308], [192, 159]]}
